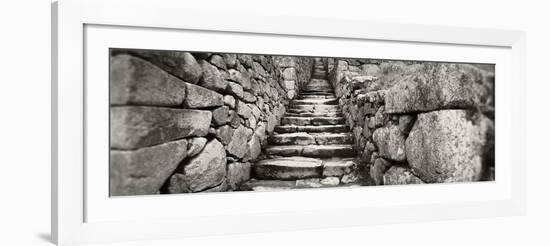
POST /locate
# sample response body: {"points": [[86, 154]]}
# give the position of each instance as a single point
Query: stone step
{"points": [[332, 101], [288, 168], [319, 71], [295, 138], [317, 96], [327, 138], [278, 185], [318, 93], [303, 138], [319, 76], [313, 108], [318, 151], [318, 82], [302, 121], [321, 128], [326, 114], [318, 89], [327, 151]]}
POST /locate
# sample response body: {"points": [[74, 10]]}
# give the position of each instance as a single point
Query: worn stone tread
{"points": [[315, 108], [308, 114], [319, 151], [288, 168], [332, 101], [303, 138], [324, 151], [314, 96], [319, 128], [302, 121]]}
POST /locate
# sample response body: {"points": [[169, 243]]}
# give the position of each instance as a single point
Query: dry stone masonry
{"points": [[194, 122], [186, 122], [418, 122]]}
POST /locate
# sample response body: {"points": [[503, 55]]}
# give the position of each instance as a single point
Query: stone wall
{"points": [[193, 122], [418, 122]]}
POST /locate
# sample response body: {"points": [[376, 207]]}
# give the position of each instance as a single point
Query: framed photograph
{"points": [[165, 126]]}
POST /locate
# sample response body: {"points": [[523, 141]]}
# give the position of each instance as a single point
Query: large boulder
{"points": [[204, 171], [212, 78], [181, 64], [143, 171], [390, 142], [437, 86], [200, 97], [135, 127], [450, 145], [136, 81]]}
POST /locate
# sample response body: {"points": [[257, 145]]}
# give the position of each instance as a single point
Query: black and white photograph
{"points": [[194, 121]]}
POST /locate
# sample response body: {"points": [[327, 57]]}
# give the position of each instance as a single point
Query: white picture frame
{"points": [[79, 216]]}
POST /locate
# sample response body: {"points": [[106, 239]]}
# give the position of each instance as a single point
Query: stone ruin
{"points": [[184, 122]]}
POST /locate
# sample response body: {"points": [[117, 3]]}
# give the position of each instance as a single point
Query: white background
{"points": [[25, 123]]}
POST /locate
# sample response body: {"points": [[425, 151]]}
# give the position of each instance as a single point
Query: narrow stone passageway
{"points": [[312, 146], [192, 122]]}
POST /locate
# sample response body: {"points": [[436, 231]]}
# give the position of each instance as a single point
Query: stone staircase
{"points": [[312, 146]]}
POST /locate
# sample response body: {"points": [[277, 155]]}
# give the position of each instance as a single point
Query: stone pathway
{"points": [[312, 147]]}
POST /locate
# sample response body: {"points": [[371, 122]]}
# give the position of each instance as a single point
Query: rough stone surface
{"points": [[406, 123], [390, 142], [254, 147], [143, 171], [235, 90], [242, 78], [309, 183], [181, 64], [135, 127], [337, 167], [224, 186], [136, 81], [399, 175], [195, 146], [230, 60], [224, 134], [229, 101], [200, 97], [378, 169], [289, 73], [243, 110], [237, 174], [449, 145], [238, 145], [248, 97], [218, 61], [220, 115], [330, 181], [212, 78], [349, 178], [288, 168], [206, 170], [433, 87]]}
